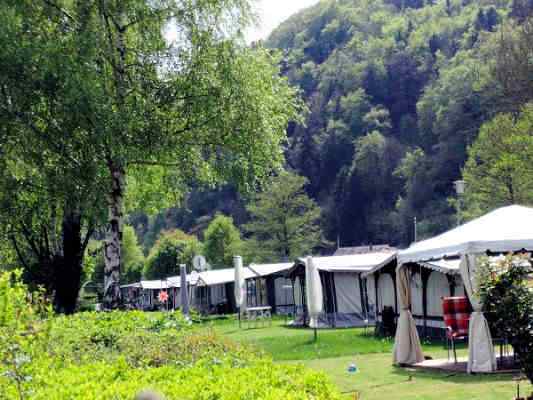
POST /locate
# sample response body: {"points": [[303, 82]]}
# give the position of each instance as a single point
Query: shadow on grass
{"points": [[452, 377]]}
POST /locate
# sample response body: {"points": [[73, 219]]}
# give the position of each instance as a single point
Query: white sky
{"points": [[272, 13]]}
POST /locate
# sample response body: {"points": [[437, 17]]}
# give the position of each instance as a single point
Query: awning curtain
{"points": [[407, 349], [481, 356]]}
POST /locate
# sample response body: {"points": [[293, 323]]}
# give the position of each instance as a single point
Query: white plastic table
{"points": [[258, 316]]}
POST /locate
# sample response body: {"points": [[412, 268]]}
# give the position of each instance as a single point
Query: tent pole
{"points": [[316, 334]]}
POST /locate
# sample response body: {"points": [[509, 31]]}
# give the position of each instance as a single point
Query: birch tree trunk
{"points": [[112, 249]]}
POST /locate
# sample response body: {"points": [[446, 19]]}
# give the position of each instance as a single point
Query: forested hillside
{"points": [[396, 90]]}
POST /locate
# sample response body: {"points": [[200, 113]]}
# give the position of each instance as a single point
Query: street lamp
{"points": [[460, 190], [459, 187]]}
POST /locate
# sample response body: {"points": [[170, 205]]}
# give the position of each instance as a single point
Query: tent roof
{"points": [[221, 276], [269, 269], [351, 263], [445, 266], [155, 284], [131, 285], [175, 281], [502, 230]]}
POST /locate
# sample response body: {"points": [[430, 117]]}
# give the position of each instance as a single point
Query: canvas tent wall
{"points": [[269, 286], [345, 291], [214, 292], [428, 283]]}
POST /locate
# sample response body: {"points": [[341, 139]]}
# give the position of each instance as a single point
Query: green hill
{"points": [[396, 91]]}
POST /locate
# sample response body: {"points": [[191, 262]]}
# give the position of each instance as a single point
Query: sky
{"points": [[272, 13]]}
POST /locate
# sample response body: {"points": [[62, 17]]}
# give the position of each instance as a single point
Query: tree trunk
{"points": [[68, 265], [112, 250]]}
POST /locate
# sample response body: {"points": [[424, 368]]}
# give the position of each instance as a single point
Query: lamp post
{"points": [[460, 191]]}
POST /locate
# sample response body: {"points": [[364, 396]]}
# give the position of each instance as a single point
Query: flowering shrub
{"points": [[508, 303], [97, 356]]}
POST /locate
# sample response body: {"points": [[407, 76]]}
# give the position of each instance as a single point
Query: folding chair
{"points": [[456, 312]]}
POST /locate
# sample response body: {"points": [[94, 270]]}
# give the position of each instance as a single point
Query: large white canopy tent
{"points": [[506, 229]]}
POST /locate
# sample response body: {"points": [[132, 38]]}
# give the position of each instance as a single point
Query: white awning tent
{"points": [[503, 230], [345, 291], [506, 229]]}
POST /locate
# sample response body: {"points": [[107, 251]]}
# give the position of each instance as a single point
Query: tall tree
{"points": [[201, 107], [222, 241], [514, 63], [284, 219], [499, 170], [170, 250]]}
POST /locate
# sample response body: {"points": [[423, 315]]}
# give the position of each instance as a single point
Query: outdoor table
{"points": [[258, 316]]}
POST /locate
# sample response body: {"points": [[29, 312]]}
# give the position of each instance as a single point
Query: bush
{"points": [[97, 356], [508, 303]]}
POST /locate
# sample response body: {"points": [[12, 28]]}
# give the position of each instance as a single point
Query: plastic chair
{"points": [[456, 313]]}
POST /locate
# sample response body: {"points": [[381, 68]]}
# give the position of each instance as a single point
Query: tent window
{"points": [[416, 294], [386, 292], [438, 287], [348, 293]]}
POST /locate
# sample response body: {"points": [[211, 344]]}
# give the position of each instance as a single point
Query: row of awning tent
{"points": [[212, 291], [357, 287]]}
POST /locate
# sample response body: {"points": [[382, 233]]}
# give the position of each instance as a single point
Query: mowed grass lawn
{"points": [[376, 378]]}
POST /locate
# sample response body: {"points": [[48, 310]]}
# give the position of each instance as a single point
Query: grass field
{"points": [[376, 378]]}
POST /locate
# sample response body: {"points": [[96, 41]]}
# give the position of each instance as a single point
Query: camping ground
{"points": [[376, 378]]}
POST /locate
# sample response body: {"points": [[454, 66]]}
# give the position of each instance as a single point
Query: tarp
{"points": [[407, 348], [502, 230]]}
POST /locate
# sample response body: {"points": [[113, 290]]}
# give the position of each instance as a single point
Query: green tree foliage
{"points": [[514, 63], [132, 256], [499, 170], [284, 221], [170, 250], [420, 73], [222, 241], [508, 304], [146, 113]]}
